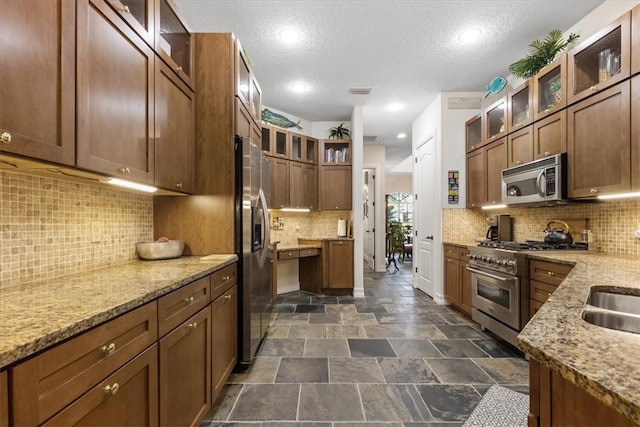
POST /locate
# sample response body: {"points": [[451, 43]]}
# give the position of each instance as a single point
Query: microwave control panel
{"points": [[550, 181]]}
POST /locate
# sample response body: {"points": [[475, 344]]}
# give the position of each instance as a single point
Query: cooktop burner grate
{"points": [[533, 245]]}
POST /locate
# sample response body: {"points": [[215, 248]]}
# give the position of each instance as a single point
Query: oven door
{"points": [[497, 295]]}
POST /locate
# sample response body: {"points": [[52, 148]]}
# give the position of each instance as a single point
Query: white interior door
{"points": [[369, 223], [424, 227]]}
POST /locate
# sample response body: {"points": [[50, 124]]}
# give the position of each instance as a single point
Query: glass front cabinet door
{"points": [[550, 88]]}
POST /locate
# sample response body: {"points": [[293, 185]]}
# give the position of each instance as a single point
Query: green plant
{"points": [[555, 86], [396, 236], [339, 132], [543, 53]]}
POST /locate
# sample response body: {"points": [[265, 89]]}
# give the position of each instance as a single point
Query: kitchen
{"points": [[76, 210]]}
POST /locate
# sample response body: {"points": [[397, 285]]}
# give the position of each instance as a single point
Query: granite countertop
{"points": [[461, 244], [324, 238], [38, 315], [602, 361]]}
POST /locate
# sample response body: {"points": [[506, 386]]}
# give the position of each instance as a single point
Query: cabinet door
{"points": [[37, 116], [175, 131], [139, 15], [174, 43], [296, 184], [495, 120], [550, 135], [550, 88], [520, 147], [243, 76], [267, 142], [452, 280], [310, 187], [598, 143], [279, 183], [4, 400], [473, 133], [310, 149], [185, 372], [242, 121], [296, 146], [476, 179], [256, 100], [281, 143], [335, 188], [465, 285], [496, 153], [520, 106], [127, 397], [224, 315], [115, 96], [340, 270]]}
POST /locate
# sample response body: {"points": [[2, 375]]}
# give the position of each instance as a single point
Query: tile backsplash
{"points": [[612, 223], [305, 224], [46, 227]]}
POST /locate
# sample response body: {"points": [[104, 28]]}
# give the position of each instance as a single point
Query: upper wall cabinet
{"points": [[601, 61], [473, 133], [37, 110], [495, 120], [550, 88], [519, 105], [635, 40], [139, 15], [173, 40], [247, 88], [115, 96]]}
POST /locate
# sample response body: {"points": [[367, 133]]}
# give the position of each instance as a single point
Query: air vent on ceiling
{"points": [[360, 90], [369, 138]]}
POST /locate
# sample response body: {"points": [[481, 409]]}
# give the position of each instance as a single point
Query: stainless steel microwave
{"points": [[541, 181]]}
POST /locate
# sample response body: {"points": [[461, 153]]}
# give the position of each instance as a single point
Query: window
{"points": [[400, 208]]}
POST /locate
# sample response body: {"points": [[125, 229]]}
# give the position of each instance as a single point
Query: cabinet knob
{"points": [[108, 349], [193, 325], [189, 300], [547, 110], [112, 389], [179, 185], [227, 297], [593, 88], [593, 190], [339, 243], [178, 68], [125, 171], [547, 153], [551, 273], [125, 9], [518, 162], [5, 137], [548, 294]]}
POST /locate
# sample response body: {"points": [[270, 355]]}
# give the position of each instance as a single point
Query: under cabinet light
{"points": [[295, 210], [489, 207], [618, 196], [131, 185]]}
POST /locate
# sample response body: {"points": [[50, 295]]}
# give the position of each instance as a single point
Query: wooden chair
{"points": [[407, 248], [390, 254]]}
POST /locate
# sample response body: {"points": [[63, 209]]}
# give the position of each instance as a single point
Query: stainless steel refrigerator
{"points": [[253, 191]]}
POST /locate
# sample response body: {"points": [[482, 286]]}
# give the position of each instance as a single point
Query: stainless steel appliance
{"points": [[541, 182], [499, 228], [253, 185], [500, 284]]}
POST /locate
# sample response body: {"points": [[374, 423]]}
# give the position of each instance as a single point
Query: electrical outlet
{"points": [[96, 232]]}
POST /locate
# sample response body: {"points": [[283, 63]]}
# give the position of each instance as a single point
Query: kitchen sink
{"points": [[613, 311]]}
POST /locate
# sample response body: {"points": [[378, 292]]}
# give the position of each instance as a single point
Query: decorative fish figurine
{"points": [[278, 120], [496, 85]]}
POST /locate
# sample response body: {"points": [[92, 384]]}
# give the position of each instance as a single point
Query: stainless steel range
{"points": [[500, 284]]}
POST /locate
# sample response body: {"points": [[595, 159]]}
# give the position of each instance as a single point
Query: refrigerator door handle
{"points": [[265, 226]]}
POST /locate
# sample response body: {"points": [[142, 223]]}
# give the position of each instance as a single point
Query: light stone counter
{"points": [[37, 315], [604, 362]]}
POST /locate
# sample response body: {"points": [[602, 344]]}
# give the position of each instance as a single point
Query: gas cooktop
{"points": [[533, 245]]}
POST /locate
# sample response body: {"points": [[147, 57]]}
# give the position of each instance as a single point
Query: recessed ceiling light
{"points": [[394, 106], [470, 35], [299, 87], [289, 35], [402, 135]]}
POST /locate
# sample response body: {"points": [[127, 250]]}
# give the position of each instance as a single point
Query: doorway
{"points": [[369, 216], [426, 206]]}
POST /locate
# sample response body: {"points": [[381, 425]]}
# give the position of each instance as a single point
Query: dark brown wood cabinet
{"points": [[280, 179], [296, 185], [496, 158], [520, 146], [544, 278], [520, 107], [173, 41], [115, 96], [185, 371], [335, 187], [175, 131], [473, 133], [339, 265], [599, 143], [457, 280], [476, 179], [310, 186], [550, 135], [4, 399], [127, 397], [224, 342], [139, 15], [555, 401], [37, 112], [495, 121], [550, 89]]}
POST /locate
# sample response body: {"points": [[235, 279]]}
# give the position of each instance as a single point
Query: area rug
{"points": [[500, 407]]}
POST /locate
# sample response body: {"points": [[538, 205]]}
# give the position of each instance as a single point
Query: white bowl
{"points": [[160, 250]]}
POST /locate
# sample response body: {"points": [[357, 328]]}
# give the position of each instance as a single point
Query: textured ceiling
{"points": [[407, 51]]}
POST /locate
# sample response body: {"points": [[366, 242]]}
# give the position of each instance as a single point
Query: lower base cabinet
{"points": [[457, 280], [4, 400], [128, 397], [329, 271], [185, 372], [555, 401], [224, 312]]}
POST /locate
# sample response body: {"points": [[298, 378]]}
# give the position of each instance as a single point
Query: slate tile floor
{"points": [[394, 358]]}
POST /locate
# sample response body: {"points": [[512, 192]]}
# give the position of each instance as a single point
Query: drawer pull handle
{"points": [[189, 300], [548, 294], [593, 88], [125, 171], [593, 190], [547, 153], [193, 325], [228, 297], [112, 389], [124, 9], [109, 349], [5, 137], [178, 69], [551, 273], [179, 185], [547, 110]]}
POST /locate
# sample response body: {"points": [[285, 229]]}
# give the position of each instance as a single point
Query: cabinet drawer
{"points": [[540, 291], [48, 382], [128, 397], [534, 306], [179, 305], [452, 251], [548, 272], [463, 254], [288, 254], [222, 280], [308, 252]]}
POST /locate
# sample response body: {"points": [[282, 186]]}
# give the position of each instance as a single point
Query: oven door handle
{"points": [[484, 273]]}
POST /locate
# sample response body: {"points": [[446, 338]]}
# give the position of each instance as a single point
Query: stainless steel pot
{"points": [[557, 236]]}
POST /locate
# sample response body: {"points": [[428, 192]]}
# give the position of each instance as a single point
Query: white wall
{"points": [[374, 157]]}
